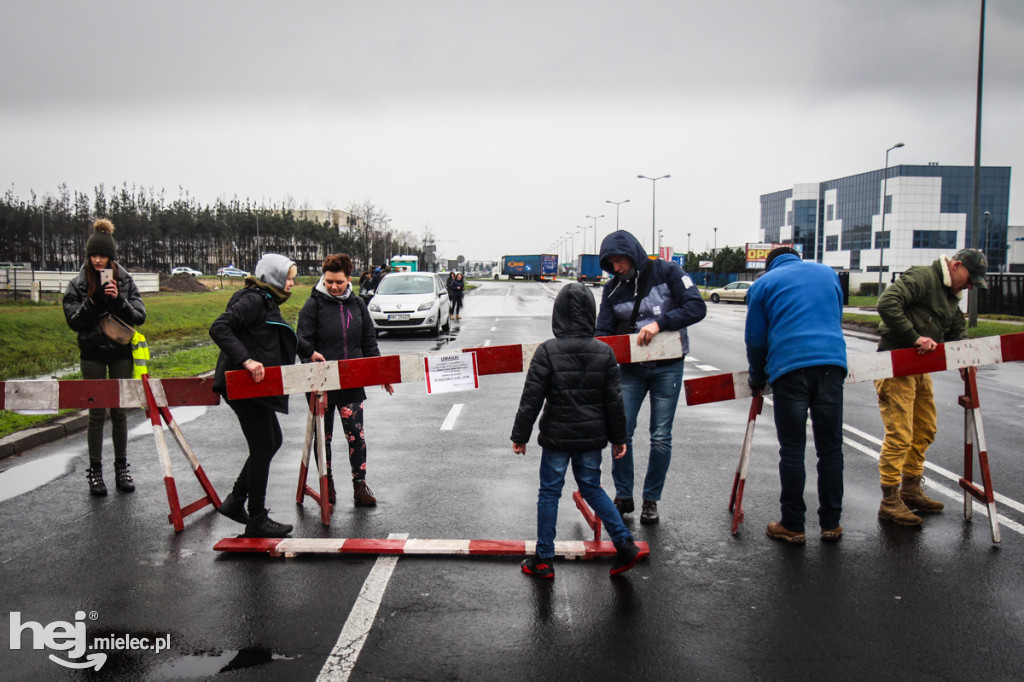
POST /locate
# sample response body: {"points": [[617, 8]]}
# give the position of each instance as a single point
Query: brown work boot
{"points": [[777, 531], [912, 494], [893, 508], [362, 495]]}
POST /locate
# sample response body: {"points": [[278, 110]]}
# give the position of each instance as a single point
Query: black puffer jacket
{"points": [[578, 378], [338, 330], [252, 327], [83, 314]]}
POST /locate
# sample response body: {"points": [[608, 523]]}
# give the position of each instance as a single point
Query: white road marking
{"points": [[946, 473], [707, 368], [955, 495], [342, 659], [487, 343], [453, 414]]}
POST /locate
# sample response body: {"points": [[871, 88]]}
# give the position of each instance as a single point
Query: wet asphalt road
{"points": [[941, 601]]}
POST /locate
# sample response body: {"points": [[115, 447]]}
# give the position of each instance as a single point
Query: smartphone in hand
{"points": [[106, 276]]}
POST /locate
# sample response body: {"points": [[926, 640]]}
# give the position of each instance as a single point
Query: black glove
{"points": [[756, 385], [99, 299]]}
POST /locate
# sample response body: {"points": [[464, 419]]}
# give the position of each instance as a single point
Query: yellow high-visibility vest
{"points": [[140, 354]]}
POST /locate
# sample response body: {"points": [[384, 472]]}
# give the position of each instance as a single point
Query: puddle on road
{"points": [[181, 416], [22, 478], [204, 665]]}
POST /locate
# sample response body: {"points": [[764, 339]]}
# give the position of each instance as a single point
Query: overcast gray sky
{"points": [[502, 125]]}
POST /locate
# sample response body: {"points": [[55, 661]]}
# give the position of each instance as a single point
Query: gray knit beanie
{"points": [[102, 240], [273, 269]]}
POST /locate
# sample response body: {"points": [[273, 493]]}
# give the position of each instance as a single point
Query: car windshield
{"points": [[406, 285]]}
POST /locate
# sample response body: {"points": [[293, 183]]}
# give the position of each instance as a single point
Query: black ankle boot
{"points": [[95, 477], [262, 526], [234, 508], [122, 479]]}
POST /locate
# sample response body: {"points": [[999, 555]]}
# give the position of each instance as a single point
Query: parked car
{"points": [[188, 271], [737, 291], [231, 271], [411, 300]]}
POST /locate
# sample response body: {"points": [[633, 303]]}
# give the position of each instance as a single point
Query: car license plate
{"points": [[398, 318]]}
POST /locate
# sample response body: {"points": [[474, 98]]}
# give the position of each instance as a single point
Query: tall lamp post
{"points": [[594, 218], [714, 249], [572, 244], [654, 183], [617, 204], [882, 236]]}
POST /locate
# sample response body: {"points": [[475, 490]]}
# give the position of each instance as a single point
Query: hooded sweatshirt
{"points": [[576, 379], [668, 295]]}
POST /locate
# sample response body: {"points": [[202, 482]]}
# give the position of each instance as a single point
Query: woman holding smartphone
{"points": [[102, 287]]}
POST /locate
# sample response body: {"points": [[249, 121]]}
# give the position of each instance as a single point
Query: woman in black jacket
{"points": [[252, 335], [335, 325], [86, 301]]}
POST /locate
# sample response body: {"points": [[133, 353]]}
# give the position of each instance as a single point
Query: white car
{"points": [[411, 300], [188, 271], [231, 271]]}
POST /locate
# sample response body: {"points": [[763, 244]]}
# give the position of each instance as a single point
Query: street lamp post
{"points": [[572, 244], [714, 249], [654, 183], [594, 218], [617, 204], [882, 235]]}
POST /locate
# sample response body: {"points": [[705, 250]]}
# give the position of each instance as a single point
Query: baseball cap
{"points": [[976, 264]]}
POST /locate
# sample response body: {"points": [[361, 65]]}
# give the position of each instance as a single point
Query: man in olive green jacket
{"points": [[920, 310]]}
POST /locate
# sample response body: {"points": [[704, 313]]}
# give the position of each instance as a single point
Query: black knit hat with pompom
{"points": [[102, 240]]}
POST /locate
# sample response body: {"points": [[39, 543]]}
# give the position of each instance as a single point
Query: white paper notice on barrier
{"points": [[450, 372]]}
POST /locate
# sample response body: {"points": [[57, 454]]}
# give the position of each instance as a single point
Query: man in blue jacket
{"points": [[646, 297], [795, 342]]}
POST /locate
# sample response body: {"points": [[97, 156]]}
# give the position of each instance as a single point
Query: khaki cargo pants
{"points": [[907, 406]]}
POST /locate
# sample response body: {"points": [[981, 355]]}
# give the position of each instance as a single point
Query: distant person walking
{"points": [[252, 335], [920, 310], [334, 324], [794, 338], [646, 297], [456, 290], [103, 287], [575, 378]]}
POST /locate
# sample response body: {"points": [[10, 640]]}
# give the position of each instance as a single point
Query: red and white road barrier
{"points": [[50, 394], [288, 547], [315, 438], [156, 404], [974, 434], [988, 350], [396, 369], [156, 396]]}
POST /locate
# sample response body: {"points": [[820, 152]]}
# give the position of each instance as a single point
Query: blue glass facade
{"points": [[928, 211]]}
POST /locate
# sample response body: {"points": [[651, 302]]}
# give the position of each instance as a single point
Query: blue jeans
{"points": [[663, 383], [586, 468], [820, 390]]}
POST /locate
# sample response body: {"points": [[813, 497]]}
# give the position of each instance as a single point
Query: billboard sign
{"points": [[757, 253]]}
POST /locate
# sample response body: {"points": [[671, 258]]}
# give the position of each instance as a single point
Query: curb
{"points": [[21, 441]]}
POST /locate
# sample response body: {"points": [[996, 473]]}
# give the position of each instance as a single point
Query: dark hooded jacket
{"points": [[576, 379], [252, 327], [668, 296], [83, 314], [338, 330]]}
